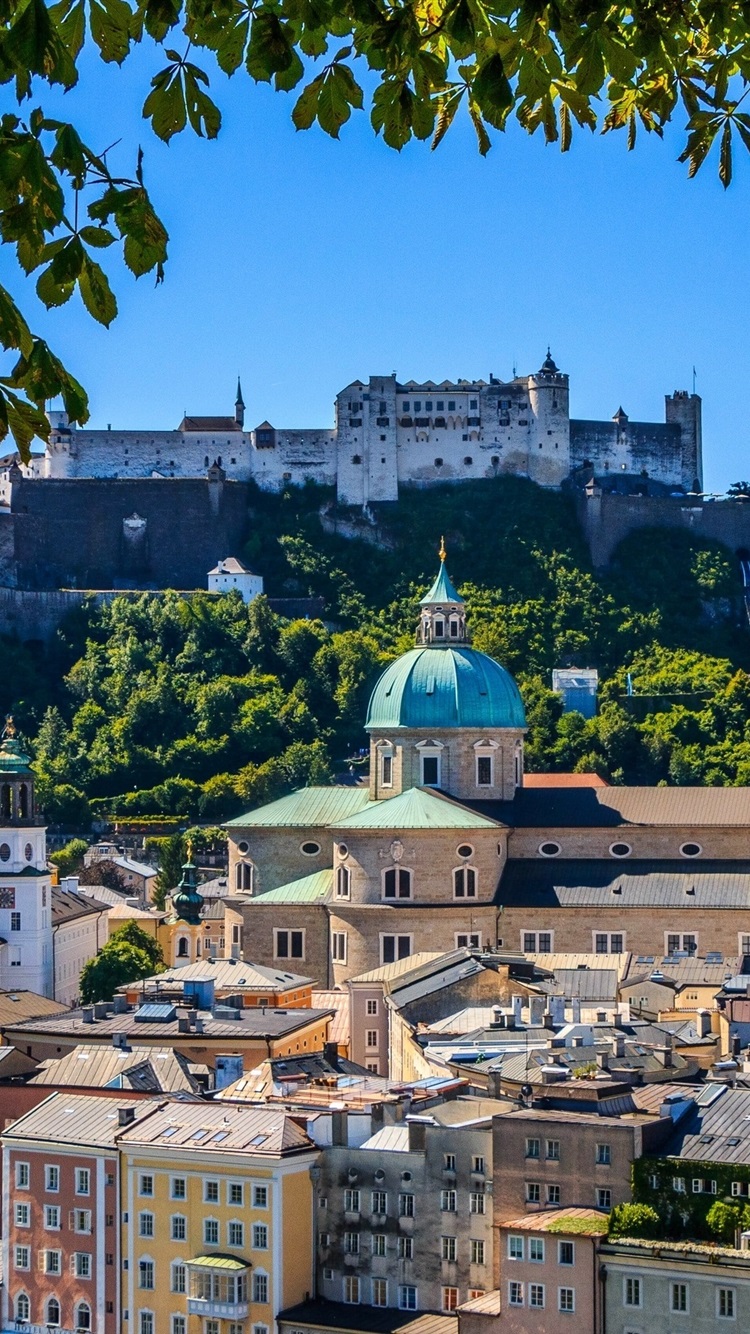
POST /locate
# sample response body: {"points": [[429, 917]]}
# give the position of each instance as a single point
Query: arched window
{"points": [[53, 1311], [23, 802], [205, 461], [6, 802], [439, 625], [386, 766], [397, 883], [343, 882], [454, 627], [465, 882], [518, 765], [23, 1308], [243, 875], [183, 948]]}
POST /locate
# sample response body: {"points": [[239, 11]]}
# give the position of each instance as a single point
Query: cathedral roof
{"points": [[418, 808], [445, 686]]}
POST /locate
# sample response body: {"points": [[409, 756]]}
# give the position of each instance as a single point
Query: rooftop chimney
{"points": [[703, 1023]]}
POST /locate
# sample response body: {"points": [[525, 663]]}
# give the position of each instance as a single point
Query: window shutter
{"points": [[72, 1220], [41, 1260], [73, 1262]]}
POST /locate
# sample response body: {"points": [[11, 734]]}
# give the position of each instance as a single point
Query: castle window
{"points": [[438, 463], [494, 460], [418, 406], [451, 405], [397, 883], [343, 882], [472, 403], [405, 405], [465, 882], [205, 461], [468, 459], [243, 876], [356, 458]]}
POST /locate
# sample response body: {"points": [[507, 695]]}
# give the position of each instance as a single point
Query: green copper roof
{"points": [[313, 806], [418, 808], [219, 1262], [442, 590], [12, 759], [310, 889], [445, 686]]}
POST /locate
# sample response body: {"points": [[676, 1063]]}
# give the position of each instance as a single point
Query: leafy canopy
{"points": [[551, 66], [129, 955]]}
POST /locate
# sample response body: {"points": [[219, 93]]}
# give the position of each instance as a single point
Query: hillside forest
{"points": [[202, 707]]}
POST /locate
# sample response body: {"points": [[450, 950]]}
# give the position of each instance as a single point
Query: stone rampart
{"points": [[608, 519]]}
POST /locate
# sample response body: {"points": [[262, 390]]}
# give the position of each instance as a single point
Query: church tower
{"points": [[184, 923], [25, 883]]}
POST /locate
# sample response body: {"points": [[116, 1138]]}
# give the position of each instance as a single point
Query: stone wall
{"points": [[608, 519], [101, 533]]}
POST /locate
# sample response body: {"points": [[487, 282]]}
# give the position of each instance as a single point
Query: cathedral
{"points": [[449, 847]]}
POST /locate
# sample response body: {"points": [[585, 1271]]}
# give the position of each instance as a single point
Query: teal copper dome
{"points": [[434, 686]]}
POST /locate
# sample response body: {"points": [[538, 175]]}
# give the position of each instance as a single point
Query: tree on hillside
{"points": [[554, 68]]}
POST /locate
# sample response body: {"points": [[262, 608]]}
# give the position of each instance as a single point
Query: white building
{"points": [[79, 930], [231, 574], [25, 882]]}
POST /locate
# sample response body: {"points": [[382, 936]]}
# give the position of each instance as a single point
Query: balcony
{"points": [[218, 1287]]}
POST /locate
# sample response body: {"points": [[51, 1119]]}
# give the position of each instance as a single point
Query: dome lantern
{"points": [[443, 611], [17, 805], [186, 901]]}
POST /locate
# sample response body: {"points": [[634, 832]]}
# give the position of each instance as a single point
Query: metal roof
{"points": [[67, 905], [218, 1262], [135, 868], [218, 1128], [417, 808], [251, 1023], [553, 962], [309, 806], [102, 1066], [442, 590], [309, 889], [390, 1139], [324, 1316], [76, 1119], [18, 1006], [226, 974], [600, 883], [715, 1129], [387, 972], [448, 685], [584, 984], [611, 807]]}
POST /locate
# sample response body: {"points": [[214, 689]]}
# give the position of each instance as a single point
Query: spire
{"points": [[443, 618], [239, 406], [186, 901], [548, 366]]}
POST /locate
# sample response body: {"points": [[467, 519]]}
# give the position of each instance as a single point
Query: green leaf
{"points": [[447, 108], [110, 28], [566, 128], [306, 107], [203, 114], [725, 156], [70, 21], [54, 291], [165, 105], [14, 331], [287, 79], [98, 237], [483, 139], [271, 47], [96, 292], [492, 91], [231, 50]]}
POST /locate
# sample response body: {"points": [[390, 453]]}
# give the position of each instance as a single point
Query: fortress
{"points": [[389, 434]]}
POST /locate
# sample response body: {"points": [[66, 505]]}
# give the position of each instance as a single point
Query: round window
{"points": [[620, 849], [310, 849], [406, 1176], [549, 849], [691, 849], [29, 851], [343, 850], [243, 847], [465, 850], [4, 852]]}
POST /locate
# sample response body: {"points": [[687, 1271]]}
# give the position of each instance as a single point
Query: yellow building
{"points": [[219, 1234]]}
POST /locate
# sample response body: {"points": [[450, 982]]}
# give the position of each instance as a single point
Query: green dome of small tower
{"points": [[186, 901]]}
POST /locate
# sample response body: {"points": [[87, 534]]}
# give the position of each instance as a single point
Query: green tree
{"points": [[635, 1220], [105, 873], [723, 1220], [172, 853], [117, 963], [133, 934], [69, 860]]}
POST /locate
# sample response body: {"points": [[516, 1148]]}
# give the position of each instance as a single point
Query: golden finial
{"points": [[189, 850], [442, 553], [10, 727]]}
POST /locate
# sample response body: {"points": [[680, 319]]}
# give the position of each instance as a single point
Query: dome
{"points": [[452, 686]]}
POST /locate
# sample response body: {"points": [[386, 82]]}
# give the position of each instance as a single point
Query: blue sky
{"points": [[304, 263]]}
